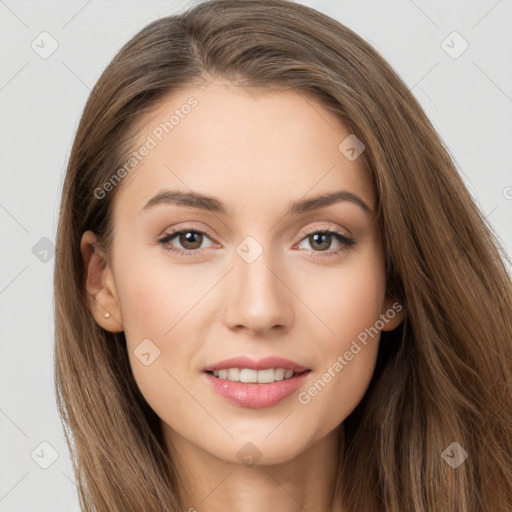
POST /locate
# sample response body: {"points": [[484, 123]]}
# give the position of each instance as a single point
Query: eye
{"points": [[321, 240], [190, 239]]}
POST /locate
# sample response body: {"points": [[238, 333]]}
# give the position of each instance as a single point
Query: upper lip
{"points": [[260, 364]]}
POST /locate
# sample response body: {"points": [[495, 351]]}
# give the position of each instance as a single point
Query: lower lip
{"points": [[254, 395]]}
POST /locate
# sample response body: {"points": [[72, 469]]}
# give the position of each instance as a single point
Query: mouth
{"points": [[256, 384]]}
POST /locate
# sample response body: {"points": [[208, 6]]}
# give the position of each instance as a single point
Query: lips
{"points": [[261, 364]]}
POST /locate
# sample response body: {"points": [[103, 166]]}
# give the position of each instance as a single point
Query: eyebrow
{"points": [[212, 204]]}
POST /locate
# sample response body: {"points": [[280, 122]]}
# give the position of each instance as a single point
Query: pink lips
{"points": [[255, 395], [261, 364]]}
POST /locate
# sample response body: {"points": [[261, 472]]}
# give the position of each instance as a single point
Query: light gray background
{"points": [[468, 99]]}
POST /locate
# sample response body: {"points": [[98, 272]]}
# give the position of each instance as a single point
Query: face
{"points": [[245, 274]]}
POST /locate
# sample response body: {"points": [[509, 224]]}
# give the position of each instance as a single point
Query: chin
{"points": [[259, 451]]}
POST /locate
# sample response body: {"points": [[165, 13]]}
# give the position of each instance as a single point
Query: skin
{"points": [[257, 153]]}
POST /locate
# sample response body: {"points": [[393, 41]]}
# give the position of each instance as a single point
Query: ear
{"points": [[100, 285], [393, 311]]}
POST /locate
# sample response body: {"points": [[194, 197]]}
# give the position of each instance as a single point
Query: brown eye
{"points": [[186, 241], [320, 241], [190, 240]]}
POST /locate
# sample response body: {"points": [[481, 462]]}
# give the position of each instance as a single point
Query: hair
{"points": [[442, 376]]}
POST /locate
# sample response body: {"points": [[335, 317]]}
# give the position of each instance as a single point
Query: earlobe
{"points": [[100, 285], [393, 313]]}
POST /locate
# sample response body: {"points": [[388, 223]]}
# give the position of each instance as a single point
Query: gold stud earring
{"points": [[106, 315]]}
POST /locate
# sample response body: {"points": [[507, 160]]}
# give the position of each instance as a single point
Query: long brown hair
{"points": [[443, 376]]}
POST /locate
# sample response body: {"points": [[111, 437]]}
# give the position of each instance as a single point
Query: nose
{"points": [[257, 296]]}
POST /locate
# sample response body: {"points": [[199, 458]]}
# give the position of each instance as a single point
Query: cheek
{"points": [[150, 307], [350, 306], [145, 300], [336, 390], [158, 305], [350, 299], [153, 296]]}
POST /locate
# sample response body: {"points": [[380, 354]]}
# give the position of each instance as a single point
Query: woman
{"points": [[272, 288]]}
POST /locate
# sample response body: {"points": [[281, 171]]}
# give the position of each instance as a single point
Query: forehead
{"points": [[250, 147]]}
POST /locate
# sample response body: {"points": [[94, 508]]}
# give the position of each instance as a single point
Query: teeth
{"points": [[248, 375], [279, 373], [266, 376], [233, 374]]}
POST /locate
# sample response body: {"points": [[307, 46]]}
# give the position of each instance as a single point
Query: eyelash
{"points": [[346, 242]]}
